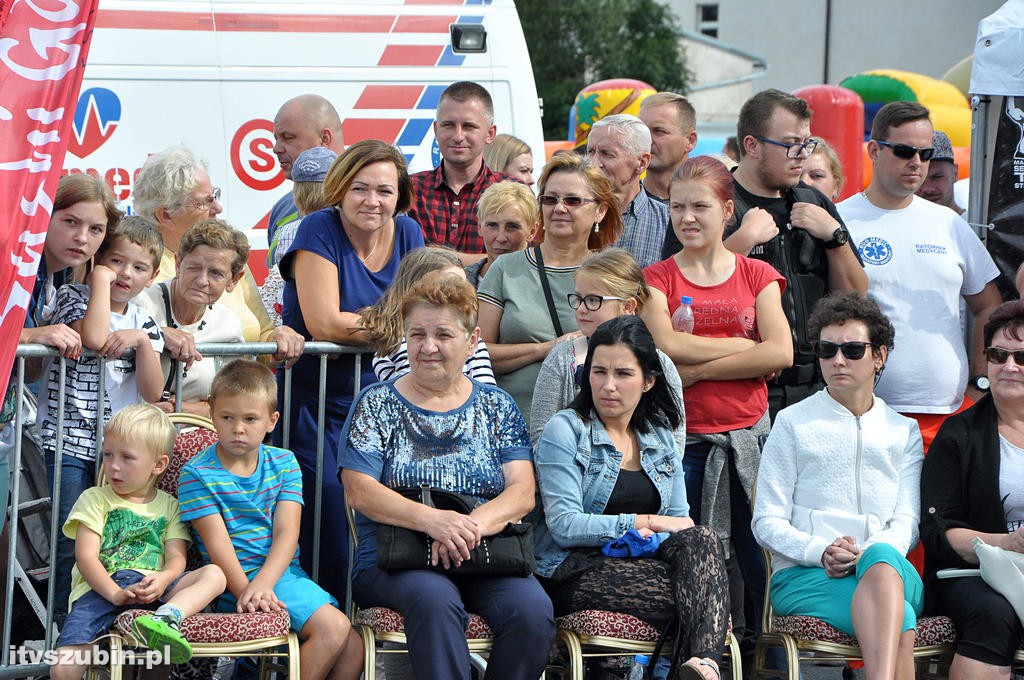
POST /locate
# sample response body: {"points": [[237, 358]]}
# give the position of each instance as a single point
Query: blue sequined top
{"points": [[402, 445]]}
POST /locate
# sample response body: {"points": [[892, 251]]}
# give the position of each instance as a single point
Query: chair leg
{"points": [[575, 652], [735, 660], [369, 652], [293, 655], [116, 656]]}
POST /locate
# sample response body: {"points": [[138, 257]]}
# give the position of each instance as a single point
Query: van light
{"points": [[469, 38]]}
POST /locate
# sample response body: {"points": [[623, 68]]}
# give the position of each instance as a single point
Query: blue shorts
{"points": [[299, 593], [92, 615], [808, 591]]}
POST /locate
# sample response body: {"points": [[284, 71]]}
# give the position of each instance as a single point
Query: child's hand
{"points": [[150, 588], [119, 341], [258, 598], [101, 276], [125, 596]]}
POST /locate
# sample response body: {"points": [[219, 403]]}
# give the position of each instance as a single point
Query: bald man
{"points": [[301, 123]]}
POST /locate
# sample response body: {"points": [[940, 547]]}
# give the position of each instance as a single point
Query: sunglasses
{"points": [[567, 201], [906, 152], [998, 355], [823, 349]]}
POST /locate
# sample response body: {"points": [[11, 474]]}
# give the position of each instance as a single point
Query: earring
{"points": [[597, 227]]}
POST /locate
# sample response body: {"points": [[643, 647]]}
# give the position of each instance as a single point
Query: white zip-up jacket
{"points": [[826, 473]]}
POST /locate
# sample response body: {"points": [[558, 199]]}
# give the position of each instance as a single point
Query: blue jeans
{"points": [[434, 606], [76, 476]]}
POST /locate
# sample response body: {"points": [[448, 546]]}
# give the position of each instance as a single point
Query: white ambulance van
{"points": [[213, 73]]}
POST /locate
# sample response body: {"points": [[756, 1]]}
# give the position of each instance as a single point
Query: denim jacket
{"points": [[577, 467]]}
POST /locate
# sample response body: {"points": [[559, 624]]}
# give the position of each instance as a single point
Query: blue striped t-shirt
{"points": [[247, 504]]}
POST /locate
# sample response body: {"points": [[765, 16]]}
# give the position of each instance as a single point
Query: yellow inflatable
{"points": [[950, 109], [595, 101]]}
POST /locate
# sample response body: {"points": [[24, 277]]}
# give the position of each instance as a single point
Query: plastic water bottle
{"points": [[682, 318], [636, 671]]}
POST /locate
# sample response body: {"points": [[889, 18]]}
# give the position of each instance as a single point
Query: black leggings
{"points": [[687, 580]]}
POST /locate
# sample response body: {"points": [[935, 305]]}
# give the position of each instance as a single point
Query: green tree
{"points": [[573, 43]]}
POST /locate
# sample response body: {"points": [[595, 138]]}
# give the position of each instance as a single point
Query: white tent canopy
{"points": [[999, 52]]}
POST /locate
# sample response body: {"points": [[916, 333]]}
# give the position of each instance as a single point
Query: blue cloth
{"points": [[632, 544], [577, 467], [645, 223], [76, 476], [321, 233], [435, 608], [808, 591], [247, 504], [92, 614], [400, 445], [300, 595]]}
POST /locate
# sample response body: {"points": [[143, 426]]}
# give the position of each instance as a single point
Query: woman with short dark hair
{"points": [[837, 494]]}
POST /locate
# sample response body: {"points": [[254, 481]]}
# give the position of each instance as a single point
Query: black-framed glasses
{"points": [[998, 355], [591, 302], [823, 349], [207, 203], [567, 201], [906, 152], [793, 149]]}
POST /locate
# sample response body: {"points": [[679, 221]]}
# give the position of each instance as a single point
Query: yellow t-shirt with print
{"points": [[132, 534]]}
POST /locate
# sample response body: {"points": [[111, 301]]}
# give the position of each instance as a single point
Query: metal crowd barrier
{"points": [[16, 663]]}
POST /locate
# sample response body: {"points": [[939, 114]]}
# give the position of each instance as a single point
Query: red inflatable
{"points": [[839, 119]]}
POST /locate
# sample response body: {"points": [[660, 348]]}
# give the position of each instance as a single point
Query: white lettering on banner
{"points": [[5, 114], [40, 164], [18, 299], [42, 199], [38, 138], [45, 116], [43, 40], [27, 267], [71, 11]]}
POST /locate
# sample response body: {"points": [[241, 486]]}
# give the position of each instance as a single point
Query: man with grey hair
{"points": [[672, 121], [173, 190], [620, 144], [302, 123]]}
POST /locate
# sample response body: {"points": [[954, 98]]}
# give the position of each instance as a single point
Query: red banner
{"points": [[43, 47]]}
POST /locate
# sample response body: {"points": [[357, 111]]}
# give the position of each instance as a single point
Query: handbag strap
{"points": [[169, 383], [547, 292]]}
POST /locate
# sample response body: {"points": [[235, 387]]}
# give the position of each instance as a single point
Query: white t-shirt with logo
{"points": [[920, 261]]}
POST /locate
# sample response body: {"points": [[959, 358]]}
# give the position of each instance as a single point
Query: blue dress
{"points": [[321, 233]]}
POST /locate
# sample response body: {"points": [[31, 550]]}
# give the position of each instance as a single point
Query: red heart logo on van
{"points": [[96, 117]]}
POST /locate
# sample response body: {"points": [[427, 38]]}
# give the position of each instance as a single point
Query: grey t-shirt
{"points": [[1011, 483], [513, 284]]}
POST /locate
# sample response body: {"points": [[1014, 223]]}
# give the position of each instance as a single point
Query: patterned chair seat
{"points": [[384, 620], [931, 630], [204, 628], [595, 622], [187, 444]]}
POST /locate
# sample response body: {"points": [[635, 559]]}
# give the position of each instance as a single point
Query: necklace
{"points": [[372, 250]]}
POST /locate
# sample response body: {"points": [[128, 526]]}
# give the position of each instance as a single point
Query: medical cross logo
{"points": [[875, 250]]}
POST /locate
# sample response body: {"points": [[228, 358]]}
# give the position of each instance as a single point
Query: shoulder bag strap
{"points": [[169, 383], [547, 292]]}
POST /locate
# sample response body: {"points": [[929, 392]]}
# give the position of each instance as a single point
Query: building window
{"points": [[707, 19]]}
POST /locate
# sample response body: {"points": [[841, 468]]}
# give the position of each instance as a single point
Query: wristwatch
{"points": [[840, 237], [980, 382]]}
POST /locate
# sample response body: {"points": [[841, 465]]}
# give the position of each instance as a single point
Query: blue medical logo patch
{"points": [[875, 250]]}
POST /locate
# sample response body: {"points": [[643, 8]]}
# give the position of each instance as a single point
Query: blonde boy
{"points": [[130, 547], [244, 499]]}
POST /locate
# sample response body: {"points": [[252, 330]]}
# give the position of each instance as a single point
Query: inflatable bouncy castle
{"points": [[603, 98]]}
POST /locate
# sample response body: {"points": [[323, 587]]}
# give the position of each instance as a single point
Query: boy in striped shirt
{"points": [[244, 500]]}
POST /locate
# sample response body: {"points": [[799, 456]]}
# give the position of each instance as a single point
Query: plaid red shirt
{"points": [[448, 218]]}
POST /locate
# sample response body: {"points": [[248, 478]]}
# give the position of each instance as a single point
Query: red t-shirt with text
{"points": [[724, 311]]}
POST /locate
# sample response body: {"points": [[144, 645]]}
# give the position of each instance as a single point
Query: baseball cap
{"points": [[312, 164]]}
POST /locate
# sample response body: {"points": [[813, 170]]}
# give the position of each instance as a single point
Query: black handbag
{"points": [[508, 553]]}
